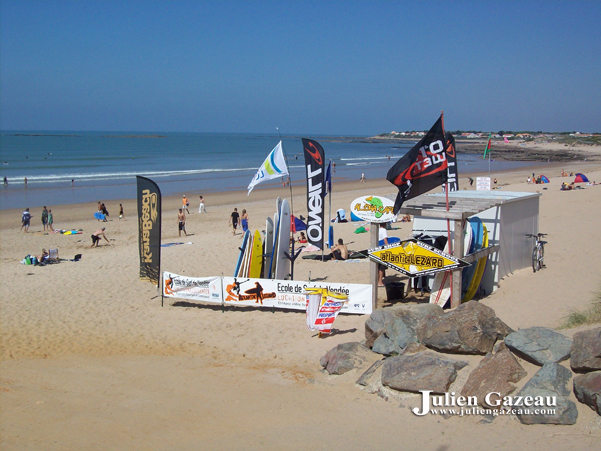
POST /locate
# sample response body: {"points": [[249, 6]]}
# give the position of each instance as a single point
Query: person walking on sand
{"points": [[50, 221], [185, 204], [362, 179], [201, 206], [45, 218], [25, 220], [234, 217], [244, 220], [120, 212], [96, 237], [181, 222]]}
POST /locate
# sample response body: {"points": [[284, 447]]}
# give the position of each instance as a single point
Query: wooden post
{"points": [[373, 266], [457, 252]]}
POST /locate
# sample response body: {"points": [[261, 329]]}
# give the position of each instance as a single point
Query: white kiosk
{"points": [[508, 217]]}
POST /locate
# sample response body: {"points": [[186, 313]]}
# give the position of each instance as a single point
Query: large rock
{"points": [[472, 328], [345, 357], [390, 331], [495, 373], [539, 345], [422, 371], [586, 351], [587, 388], [549, 384]]}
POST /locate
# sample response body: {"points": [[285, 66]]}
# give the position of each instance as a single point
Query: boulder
{"points": [[495, 373], [539, 345], [397, 325], [587, 388], [586, 351], [472, 328], [549, 384], [345, 357], [421, 371]]}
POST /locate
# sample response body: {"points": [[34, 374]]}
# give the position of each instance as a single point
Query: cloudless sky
{"points": [[320, 67]]}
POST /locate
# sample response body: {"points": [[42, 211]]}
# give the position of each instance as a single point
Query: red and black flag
{"points": [[314, 162], [421, 169]]}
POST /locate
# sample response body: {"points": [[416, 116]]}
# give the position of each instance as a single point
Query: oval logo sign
{"points": [[373, 209]]}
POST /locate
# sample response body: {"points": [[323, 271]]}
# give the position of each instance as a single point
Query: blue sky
{"points": [[322, 67]]}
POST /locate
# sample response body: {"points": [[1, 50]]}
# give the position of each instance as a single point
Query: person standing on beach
{"points": [[234, 217], [50, 220], [120, 212], [181, 222], [201, 207], [362, 179], [5, 181], [244, 220], [25, 182], [96, 237], [26, 218], [45, 218], [185, 204]]}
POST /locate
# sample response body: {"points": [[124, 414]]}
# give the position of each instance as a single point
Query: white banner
{"points": [[287, 294], [207, 289], [482, 183]]}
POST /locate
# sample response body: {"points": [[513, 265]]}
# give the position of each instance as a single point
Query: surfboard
{"points": [[391, 239], [274, 247], [241, 256], [256, 259], [331, 237], [469, 271], [278, 205], [480, 267], [282, 269], [267, 246]]}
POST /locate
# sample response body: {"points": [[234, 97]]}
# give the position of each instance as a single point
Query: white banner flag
{"points": [[273, 167], [206, 289]]}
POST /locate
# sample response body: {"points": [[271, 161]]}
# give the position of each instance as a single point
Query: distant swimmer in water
{"points": [[5, 181], [25, 181]]}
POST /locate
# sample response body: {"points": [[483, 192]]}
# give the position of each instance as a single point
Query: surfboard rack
{"points": [[293, 258]]}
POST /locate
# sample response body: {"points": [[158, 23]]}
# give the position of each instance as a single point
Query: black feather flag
{"points": [[421, 169]]}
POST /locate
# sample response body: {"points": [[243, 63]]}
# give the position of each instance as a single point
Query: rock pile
{"points": [[405, 350]]}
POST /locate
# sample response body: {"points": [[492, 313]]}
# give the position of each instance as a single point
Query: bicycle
{"points": [[538, 253]]}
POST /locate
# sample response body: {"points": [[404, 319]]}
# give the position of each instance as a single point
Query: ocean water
{"points": [[103, 165]]}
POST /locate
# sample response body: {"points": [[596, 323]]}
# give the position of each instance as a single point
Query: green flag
{"points": [[487, 150]]}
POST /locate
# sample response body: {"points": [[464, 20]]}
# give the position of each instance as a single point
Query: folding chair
{"points": [[52, 256]]}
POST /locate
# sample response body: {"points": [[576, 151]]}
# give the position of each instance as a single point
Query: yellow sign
{"points": [[414, 258]]}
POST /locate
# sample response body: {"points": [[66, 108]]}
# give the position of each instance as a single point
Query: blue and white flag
{"points": [[273, 167], [328, 178]]}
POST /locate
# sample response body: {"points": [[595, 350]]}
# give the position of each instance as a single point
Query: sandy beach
{"points": [[91, 360]]}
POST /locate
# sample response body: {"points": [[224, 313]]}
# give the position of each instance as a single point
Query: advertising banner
{"points": [[482, 183], [373, 209], [452, 170], [207, 289], [314, 162], [414, 258], [149, 229]]}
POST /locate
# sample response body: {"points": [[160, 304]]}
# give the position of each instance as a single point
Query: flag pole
{"points": [[447, 199], [287, 167], [489, 160]]}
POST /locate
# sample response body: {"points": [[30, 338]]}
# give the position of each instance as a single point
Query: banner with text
{"points": [[207, 289], [149, 229], [314, 162]]}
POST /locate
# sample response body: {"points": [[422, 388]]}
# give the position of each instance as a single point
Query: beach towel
{"points": [[361, 230]]}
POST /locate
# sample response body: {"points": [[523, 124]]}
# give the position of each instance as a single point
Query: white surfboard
{"points": [[282, 270], [274, 248], [267, 246]]}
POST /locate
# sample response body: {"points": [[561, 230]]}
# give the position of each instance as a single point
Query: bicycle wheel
{"points": [[535, 259], [541, 256]]}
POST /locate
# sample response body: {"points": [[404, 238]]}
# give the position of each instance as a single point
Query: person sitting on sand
{"points": [[406, 218], [43, 256], [340, 251], [96, 237], [302, 238]]}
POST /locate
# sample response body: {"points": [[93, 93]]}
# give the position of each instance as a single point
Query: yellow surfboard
{"points": [[480, 267], [256, 259]]}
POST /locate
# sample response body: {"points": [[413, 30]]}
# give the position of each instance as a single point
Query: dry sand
{"points": [[90, 359]]}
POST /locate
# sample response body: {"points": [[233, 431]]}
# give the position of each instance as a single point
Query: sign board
{"points": [[373, 209], [414, 258], [482, 183], [288, 294]]}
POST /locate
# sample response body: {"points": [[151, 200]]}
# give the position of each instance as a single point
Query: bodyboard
{"points": [[391, 239], [441, 287], [274, 247], [241, 256], [468, 272], [267, 246], [331, 237]]}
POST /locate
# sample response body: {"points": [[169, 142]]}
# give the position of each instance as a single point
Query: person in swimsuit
{"points": [[244, 221], [96, 237], [181, 222], [234, 220], [340, 251]]}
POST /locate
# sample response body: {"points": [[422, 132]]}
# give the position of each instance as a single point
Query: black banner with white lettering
{"points": [[421, 169], [452, 170], [314, 162], [149, 226]]}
